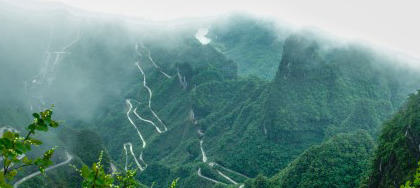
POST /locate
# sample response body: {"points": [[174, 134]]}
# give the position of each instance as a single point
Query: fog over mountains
{"points": [[234, 100]]}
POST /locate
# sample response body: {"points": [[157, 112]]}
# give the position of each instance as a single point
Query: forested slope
{"points": [[398, 152], [237, 107], [340, 161]]}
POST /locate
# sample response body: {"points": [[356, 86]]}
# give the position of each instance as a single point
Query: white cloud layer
{"points": [[389, 23]]}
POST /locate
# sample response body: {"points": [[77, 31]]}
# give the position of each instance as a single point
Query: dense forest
{"points": [[396, 158], [264, 104]]}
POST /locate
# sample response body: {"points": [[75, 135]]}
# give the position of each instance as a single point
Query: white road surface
{"points": [[153, 62], [207, 178], [150, 96], [69, 158], [213, 164], [132, 122], [134, 156], [227, 177], [202, 151], [146, 120]]}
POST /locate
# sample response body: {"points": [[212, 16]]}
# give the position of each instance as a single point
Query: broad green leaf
{"points": [[28, 147], [12, 173], [42, 127], [53, 124], [15, 160], [9, 135], [32, 126], [26, 160], [20, 147], [36, 142], [7, 143], [36, 115], [85, 171]]}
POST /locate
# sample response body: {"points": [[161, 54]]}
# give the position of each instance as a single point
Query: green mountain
{"points": [[255, 44], [338, 162], [260, 100], [397, 155]]}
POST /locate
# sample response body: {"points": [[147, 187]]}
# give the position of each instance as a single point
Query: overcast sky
{"points": [[389, 23]]}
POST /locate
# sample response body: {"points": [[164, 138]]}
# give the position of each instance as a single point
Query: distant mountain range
{"points": [[263, 104]]}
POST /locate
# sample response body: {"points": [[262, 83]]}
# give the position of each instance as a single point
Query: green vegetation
{"points": [[251, 125], [173, 184], [338, 162], [416, 181], [397, 155], [85, 144], [283, 108], [97, 177], [254, 44], [14, 148]]}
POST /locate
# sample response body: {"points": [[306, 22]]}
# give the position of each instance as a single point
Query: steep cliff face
{"points": [[398, 152], [329, 88], [190, 110], [255, 44], [320, 91]]}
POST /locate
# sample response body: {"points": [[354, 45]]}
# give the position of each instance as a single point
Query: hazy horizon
{"points": [[392, 25], [211, 93]]}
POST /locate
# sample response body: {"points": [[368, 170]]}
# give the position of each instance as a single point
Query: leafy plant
{"points": [[13, 148], [416, 181], [397, 154], [127, 179], [173, 184], [96, 177]]}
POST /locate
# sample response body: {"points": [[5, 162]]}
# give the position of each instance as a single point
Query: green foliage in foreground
{"points": [[173, 184], [14, 148], [416, 181], [97, 177], [397, 155], [251, 126]]}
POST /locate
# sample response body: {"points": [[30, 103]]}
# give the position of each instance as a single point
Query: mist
{"points": [[76, 78], [388, 24], [59, 56], [151, 88]]}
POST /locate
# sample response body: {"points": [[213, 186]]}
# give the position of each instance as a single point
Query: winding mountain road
{"points": [[202, 151], [150, 96], [69, 158], [132, 122], [227, 169], [213, 164], [46, 67], [227, 177], [207, 178], [191, 116], [143, 119], [113, 168], [130, 105], [134, 156], [146, 120], [71, 43], [151, 60]]}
